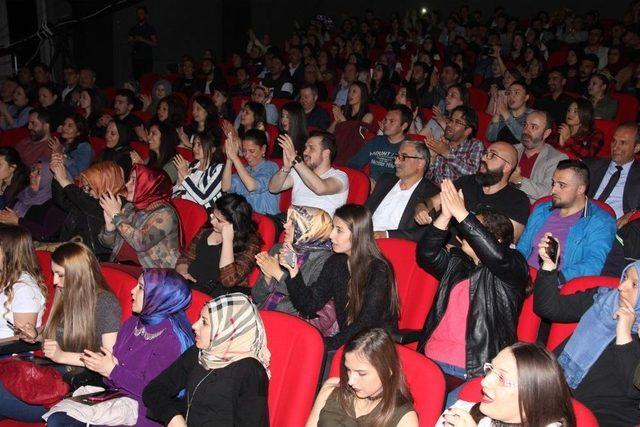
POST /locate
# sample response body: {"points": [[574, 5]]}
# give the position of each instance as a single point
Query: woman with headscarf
{"points": [[306, 233], [147, 343], [161, 88], [600, 357], [118, 138], [34, 209], [226, 374], [146, 230], [85, 217]]}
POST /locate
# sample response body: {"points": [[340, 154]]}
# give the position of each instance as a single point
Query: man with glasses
{"points": [[394, 198], [488, 189], [458, 153], [537, 160], [511, 111]]}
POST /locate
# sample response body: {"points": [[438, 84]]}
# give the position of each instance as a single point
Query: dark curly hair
{"points": [[235, 209]]}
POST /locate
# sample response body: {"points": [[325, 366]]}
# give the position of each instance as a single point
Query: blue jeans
{"points": [[61, 419], [15, 409], [454, 371]]}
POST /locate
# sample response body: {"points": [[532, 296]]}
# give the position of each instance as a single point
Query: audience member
{"points": [[408, 96], [615, 181], [439, 83], [171, 110], [371, 388], [537, 159], [222, 101], [231, 244], [92, 104], [600, 357], [146, 230], [457, 96], [250, 180], [252, 116], [123, 105], [210, 78], [315, 116], [201, 180], [358, 278], [583, 229], [163, 141], [313, 181], [205, 119], [71, 76], [349, 76], [76, 150], [278, 79], [231, 343], [492, 296], [604, 107], [14, 177], [457, 152], [381, 91], [394, 198], [15, 114], [187, 83], [556, 101], [511, 111], [589, 65], [162, 88], [293, 123], [379, 153], [118, 148], [577, 134]]}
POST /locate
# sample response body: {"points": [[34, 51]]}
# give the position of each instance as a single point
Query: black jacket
{"points": [[497, 289], [84, 219], [607, 389], [233, 396], [631, 196], [408, 228]]}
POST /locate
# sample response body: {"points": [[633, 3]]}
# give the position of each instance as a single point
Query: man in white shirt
{"points": [[395, 197], [314, 182]]}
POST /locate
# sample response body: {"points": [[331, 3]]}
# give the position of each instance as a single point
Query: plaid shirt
{"points": [[581, 145], [463, 159]]}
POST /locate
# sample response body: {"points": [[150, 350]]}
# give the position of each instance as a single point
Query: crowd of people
{"points": [[505, 149]]}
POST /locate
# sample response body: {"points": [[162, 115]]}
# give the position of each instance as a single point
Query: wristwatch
{"points": [[296, 160]]}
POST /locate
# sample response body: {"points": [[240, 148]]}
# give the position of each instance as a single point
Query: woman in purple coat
{"points": [[148, 342]]}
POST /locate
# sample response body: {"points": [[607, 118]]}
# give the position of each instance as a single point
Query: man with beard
{"points": [[395, 196], [488, 189], [583, 230], [312, 179], [36, 146], [458, 152], [537, 159]]}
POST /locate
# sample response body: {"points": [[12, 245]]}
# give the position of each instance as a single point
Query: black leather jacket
{"points": [[497, 289]]}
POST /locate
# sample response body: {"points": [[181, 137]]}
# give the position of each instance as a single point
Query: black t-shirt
{"points": [[510, 202], [140, 49]]}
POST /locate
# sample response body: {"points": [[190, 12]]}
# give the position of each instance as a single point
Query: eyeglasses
{"points": [[491, 154], [458, 122], [490, 369], [402, 157], [86, 188]]}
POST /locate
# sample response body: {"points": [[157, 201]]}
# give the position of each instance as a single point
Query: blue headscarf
{"points": [[596, 329], [166, 296]]}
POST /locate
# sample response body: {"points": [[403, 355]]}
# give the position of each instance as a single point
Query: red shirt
{"points": [[526, 164]]}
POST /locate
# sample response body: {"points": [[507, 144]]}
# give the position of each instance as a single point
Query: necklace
{"points": [[190, 399], [148, 336]]}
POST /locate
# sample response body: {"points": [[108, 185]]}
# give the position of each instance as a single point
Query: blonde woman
{"points": [[23, 291], [85, 316]]}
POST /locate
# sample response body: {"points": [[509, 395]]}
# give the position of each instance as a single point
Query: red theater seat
{"points": [[121, 284], [192, 217], [266, 230], [198, 300]]}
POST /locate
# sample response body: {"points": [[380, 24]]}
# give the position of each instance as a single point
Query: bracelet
{"points": [[285, 171]]}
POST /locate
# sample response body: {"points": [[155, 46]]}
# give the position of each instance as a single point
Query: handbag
{"points": [[33, 384]]}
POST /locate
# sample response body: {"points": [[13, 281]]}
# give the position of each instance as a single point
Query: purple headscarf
{"points": [[30, 197]]}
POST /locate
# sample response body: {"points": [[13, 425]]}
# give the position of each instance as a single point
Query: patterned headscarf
{"points": [[237, 333], [311, 229]]}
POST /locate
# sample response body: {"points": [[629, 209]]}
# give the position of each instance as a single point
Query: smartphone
{"points": [[552, 249], [97, 397], [290, 256]]}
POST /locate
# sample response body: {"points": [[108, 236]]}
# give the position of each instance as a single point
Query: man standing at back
{"points": [[142, 38]]}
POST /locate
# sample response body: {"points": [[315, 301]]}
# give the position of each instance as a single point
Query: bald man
{"points": [[489, 189], [537, 160]]}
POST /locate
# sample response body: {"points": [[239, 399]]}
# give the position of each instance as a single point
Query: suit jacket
{"points": [[631, 195], [407, 228], [539, 183]]}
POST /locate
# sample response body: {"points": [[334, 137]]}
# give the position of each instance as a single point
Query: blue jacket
{"points": [[588, 242]]}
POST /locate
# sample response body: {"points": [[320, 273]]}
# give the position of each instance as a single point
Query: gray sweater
{"points": [[310, 271]]}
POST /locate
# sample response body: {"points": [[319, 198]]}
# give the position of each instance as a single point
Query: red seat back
{"points": [[110, 94], [416, 288], [424, 380], [627, 107], [483, 124], [11, 137], [472, 392], [561, 331], [44, 259], [98, 144], [147, 80], [608, 127], [121, 284], [145, 116], [236, 102], [379, 113], [192, 217], [267, 230], [528, 321], [198, 300], [359, 185], [185, 152], [478, 99], [141, 148], [297, 352], [279, 102], [272, 133]]}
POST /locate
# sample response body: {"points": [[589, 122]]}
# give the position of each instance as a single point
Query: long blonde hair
{"points": [[19, 256], [74, 305]]}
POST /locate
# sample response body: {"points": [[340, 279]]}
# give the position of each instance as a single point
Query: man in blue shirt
{"points": [[380, 152]]}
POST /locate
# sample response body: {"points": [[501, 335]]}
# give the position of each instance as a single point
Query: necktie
{"points": [[610, 185]]}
